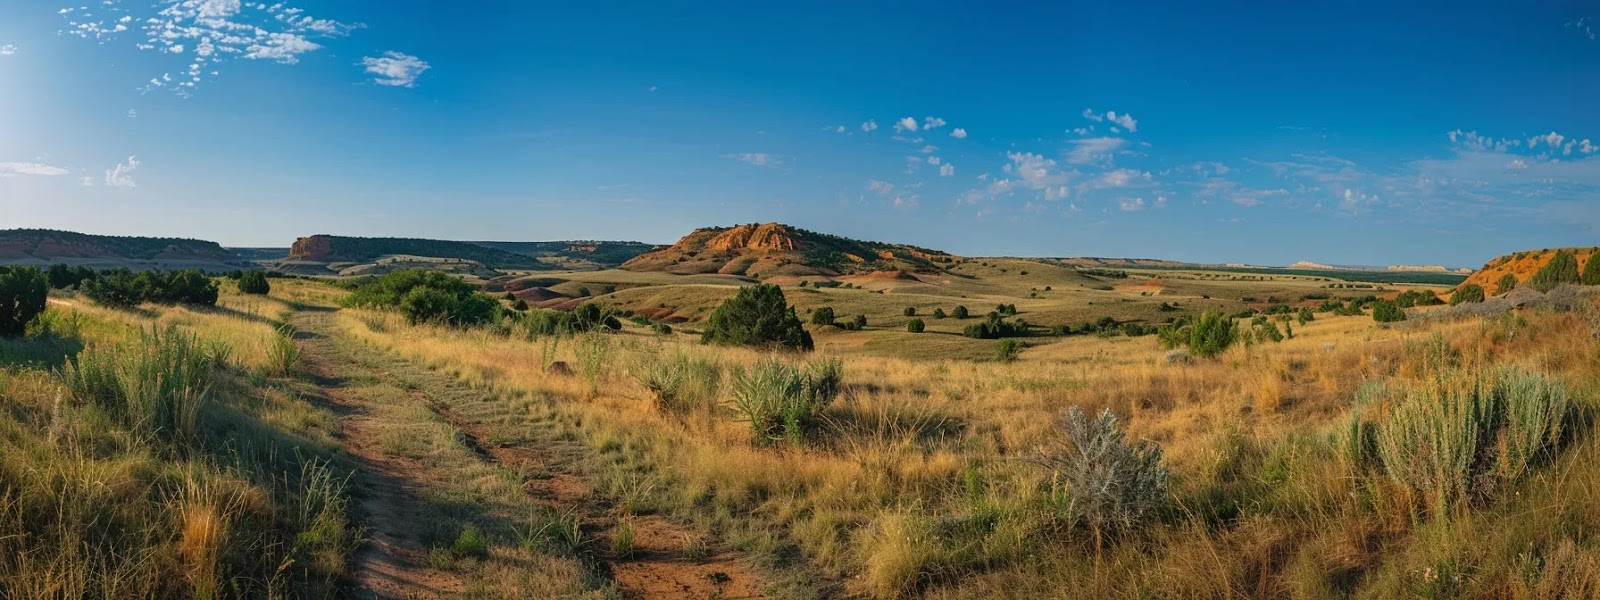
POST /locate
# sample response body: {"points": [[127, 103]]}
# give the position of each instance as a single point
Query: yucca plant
{"points": [[282, 352], [663, 378], [782, 401]]}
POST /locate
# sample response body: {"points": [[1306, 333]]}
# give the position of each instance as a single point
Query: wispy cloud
{"points": [[122, 175], [760, 159], [1098, 150], [11, 169], [931, 123], [205, 33], [395, 69], [8, 50], [906, 124], [959, 133], [1584, 26], [870, 125]]}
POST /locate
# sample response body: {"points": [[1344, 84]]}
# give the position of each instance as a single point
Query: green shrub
{"points": [[1007, 350], [1591, 270], [1469, 292], [586, 317], [427, 297], [960, 312], [910, 311], [916, 326], [1211, 334], [781, 401], [822, 316], [859, 323], [1306, 316], [1562, 268], [254, 282], [122, 288], [1384, 311], [757, 315], [1508, 282], [23, 291], [1099, 480], [471, 543], [995, 327], [938, 313], [64, 276]]}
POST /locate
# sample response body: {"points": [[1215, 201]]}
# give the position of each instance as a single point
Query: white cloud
{"points": [[206, 32], [947, 170], [1094, 150], [904, 197], [122, 175], [760, 159], [1116, 178], [959, 133], [933, 160], [1035, 170], [838, 129], [16, 168], [88, 182], [1126, 121], [880, 186], [395, 69], [906, 124], [929, 149], [1131, 204], [869, 125], [931, 123], [1552, 139], [8, 50], [1355, 201]]}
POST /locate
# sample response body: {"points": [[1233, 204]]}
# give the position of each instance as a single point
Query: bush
{"points": [[822, 316], [1100, 481], [1008, 349], [910, 311], [122, 288], [996, 327], [859, 323], [960, 312], [1384, 311], [23, 291], [1412, 298], [1562, 268], [938, 313], [1591, 270], [1470, 292], [916, 326], [63, 276], [1306, 316], [1212, 333], [1466, 434], [254, 282], [1508, 282], [757, 316], [784, 402], [427, 297]]}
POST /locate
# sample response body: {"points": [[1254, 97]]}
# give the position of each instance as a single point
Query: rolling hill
{"points": [[342, 249], [773, 249], [47, 246], [576, 254]]}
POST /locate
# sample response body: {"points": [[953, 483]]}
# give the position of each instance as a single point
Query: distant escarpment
{"points": [[772, 249], [341, 249]]}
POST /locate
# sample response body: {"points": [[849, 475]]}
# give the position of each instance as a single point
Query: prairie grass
{"points": [[141, 462], [915, 479]]}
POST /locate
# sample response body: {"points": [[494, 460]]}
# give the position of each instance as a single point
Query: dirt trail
{"points": [[394, 564]]}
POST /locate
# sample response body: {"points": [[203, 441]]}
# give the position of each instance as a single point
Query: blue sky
{"points": [[1349, 133]]}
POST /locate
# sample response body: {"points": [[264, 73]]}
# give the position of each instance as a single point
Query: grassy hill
{"points": [[772, 249], [50, 245], [1523, 265]]}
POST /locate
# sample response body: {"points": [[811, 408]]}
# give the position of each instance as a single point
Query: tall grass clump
{"points": [[282, 352], [1464, 435], [663, 378], [1098, 479], [154, 385], [591, 351], [783, 401]]}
